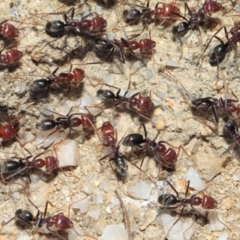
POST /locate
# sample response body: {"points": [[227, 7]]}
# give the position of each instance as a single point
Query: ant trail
{"points": [[126, 217]]}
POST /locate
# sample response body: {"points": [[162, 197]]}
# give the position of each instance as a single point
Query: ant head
{"points": [[63, 222]]}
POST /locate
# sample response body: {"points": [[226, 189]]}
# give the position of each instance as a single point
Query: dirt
{"points": [[172, 83]]}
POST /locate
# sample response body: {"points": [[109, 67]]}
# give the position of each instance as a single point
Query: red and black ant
{"points": [[40, 88], [24, 219], [145, 47], [166, 157], [86, 120], [226, 105], [138, 102], [147, 16], [219, 52], [7, 30], [197, 19], [171, 201], [93, 27], [120, 165], [23, 167]]}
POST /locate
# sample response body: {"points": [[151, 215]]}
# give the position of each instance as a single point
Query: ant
{"points": [[167, 11], [195, 20], [23, 167], [214, 103], [167, 157], [118, 158], [11, 57], [219, 52], [87, 120], [59, 222], [7, 30], [40, 88], [139, 103], [91, 27], [171, 201], [145, 46], [232, 128]]}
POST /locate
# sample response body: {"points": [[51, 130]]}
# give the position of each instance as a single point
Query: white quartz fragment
{"points": [[140, 191], [80, 202], [114, 232], [180, 231], [67, 153], [20, 88], [94, 214], [214, 221], [223, 236], [195, 180]]}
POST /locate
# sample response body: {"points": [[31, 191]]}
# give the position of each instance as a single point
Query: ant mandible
{"points": [[59, 222], [145, 47], [165, 12], [40, 88], [7, 30], [92, 27]]}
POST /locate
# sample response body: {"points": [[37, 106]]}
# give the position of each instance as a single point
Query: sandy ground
{"points": [[172, 83]]}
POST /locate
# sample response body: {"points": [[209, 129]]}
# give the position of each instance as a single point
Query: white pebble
{"points": [[98, 9], [80, 202], [67, 153], [20, 88], [223, 236], [149, 73], [178, 231], [98, 198], [140, 191], [45, 138], [23, 236], [214, 221], [94, 214], [114, 232], [195, 180], [110, 35]]}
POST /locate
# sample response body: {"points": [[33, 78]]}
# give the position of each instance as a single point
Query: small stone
{"points": [[94, 214], [214, 221], [227, 203], [114, 232], [140, 191], [67, 153], [178, 231], [195, 180], [223, 236]]}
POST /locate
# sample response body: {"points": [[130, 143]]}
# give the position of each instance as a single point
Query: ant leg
{"points": [[173, 188]]}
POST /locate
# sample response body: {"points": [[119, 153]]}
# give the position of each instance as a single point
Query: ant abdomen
{"points": [[121, 165], [167, 200], [46, 124], [39, 85], [23, 219], [105, 94], [55, 28], [218, 54], [133, 140], [9, 166], [131, 16]]}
